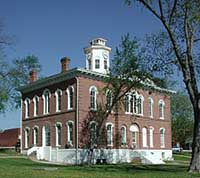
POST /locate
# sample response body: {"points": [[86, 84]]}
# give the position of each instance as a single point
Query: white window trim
{"points": [[163, 109], [26, 141], [142, 103], [56, 126], [44, 103], [34, 134], [151, 111], [112, 125], [34, 101], [68, 97], [95, 102], [162, 146], [96, 124], [151, 137], [27, 102], [68, 132], [144, 137], [56, 94], [125, 135], [134, 93]]}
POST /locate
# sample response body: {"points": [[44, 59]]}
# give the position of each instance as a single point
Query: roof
{"points": [[72, 73], [9, 137]]}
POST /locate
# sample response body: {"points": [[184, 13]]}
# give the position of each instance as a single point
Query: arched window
{"points": [[161, 104], [151, 129], [70, 97], [123, 135], [135, 135], [70, 132], [109, 98], [127, 103], [27, 107], [26, 134], [58, 95], [46, 101], [150, 107], [138, 104], [144, 137], [93, 133], [36, 105], [58, 133], [35, 135], [93, 98], [109, 128], [162, 137], [46, 136]]}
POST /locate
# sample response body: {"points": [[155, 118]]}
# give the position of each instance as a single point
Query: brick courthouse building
{"points": [[57, 124]]}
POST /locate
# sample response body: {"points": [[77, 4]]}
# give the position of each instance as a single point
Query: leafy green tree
{"points": [[126, 73], [179, 48], [182, 119], [13, 75]]}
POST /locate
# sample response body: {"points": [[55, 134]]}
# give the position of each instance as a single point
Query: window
{"points": [[162, 137], [46, 101], [93, 133], [109, 98], [27, 137], [70, 133], [105, 65], [70, 97], [134, 103], [58, 95], [97, 63], [46, 136], [127, 104], [151, 137], [58, 134], [35, 135], [161, 109], [135, 134], [144, 137], [36, 105], [27, 107], [123, 135], [109, 134], [93, 98], [89, 64], [138, 104], [150, 107]]}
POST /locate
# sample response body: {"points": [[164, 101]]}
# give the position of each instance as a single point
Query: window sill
{"points": [[162, 118]]}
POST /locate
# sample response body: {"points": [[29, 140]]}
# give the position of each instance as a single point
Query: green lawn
{"points": [[22, 168]]}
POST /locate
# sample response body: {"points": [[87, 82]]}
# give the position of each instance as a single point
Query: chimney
{"points": [[33, 76], [65, 61]]}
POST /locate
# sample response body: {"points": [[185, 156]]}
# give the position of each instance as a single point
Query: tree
{"points": [[126, 74], [182, 119], [180, 20], [13, 75]]}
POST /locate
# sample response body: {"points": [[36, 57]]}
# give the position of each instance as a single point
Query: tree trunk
{"points": [[195, 161]]}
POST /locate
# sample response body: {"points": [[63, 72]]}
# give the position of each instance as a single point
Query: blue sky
{"points": [[51, 29]]}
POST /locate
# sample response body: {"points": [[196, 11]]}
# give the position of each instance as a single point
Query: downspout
{"points": [[77, 110]]}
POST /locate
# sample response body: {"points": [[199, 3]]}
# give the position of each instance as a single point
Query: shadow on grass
{"points": [[133, 168], [117, 168]]}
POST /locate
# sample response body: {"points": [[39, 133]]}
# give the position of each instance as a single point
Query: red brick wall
{"points": [[83, 112]]}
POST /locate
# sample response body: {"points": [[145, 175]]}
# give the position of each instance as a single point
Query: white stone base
{"points": [[68, 156]]}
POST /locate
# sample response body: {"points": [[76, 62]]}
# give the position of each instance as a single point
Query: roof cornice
{"points": [[77, 72]]}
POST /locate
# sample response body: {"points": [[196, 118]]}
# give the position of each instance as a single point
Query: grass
{"points": [[19, 168]]}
